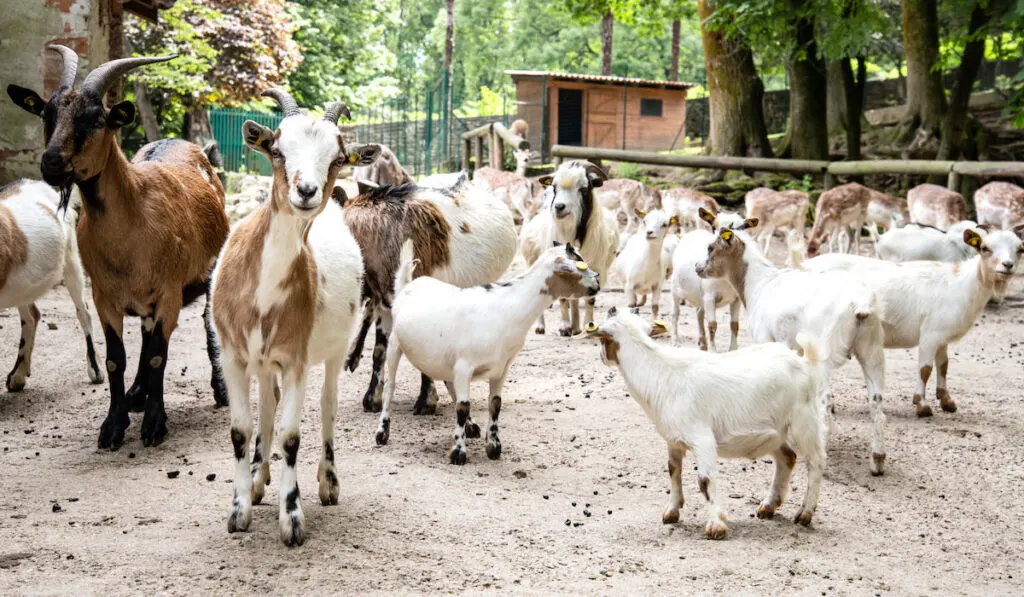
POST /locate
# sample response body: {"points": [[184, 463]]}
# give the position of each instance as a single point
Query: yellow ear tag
{"points": [[353, 158], [581, 265], [591, 327], [659, 323], [975, 241], [260, 140], [726, 234], [30, 102]]}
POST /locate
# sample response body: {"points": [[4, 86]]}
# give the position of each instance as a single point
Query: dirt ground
{"points": [[572, 508]]}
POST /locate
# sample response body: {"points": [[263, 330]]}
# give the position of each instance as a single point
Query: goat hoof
{"points": [[670, 515], [923, 410], [472, 430], [240, 519], [328, 488], [635, 310], [715, 530], [804, 517], [493, 449], [539, 330], [15, 383], [423, 408], [458, 456], [766, 511], [96, 375], [369, 404], [136, 397], [877, 464], [293, 528], [154, 428], [112, 433], [382, 436], [946, 403], [565, 332]]}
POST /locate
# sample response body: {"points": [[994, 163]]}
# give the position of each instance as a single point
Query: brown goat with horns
{"points": [[149, 232]]}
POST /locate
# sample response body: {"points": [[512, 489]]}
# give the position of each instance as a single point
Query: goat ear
{"points": [[639, 213], [257, 136], [26, 99], [748, 223], [972, 238], [1018, 229], [673, 221], [363, 155], [546, 180], [339, 195], [365, 186], [707, 216], [121, 115]]}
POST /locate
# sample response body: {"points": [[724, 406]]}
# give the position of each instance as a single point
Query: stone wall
{"points": [[26, 28]]}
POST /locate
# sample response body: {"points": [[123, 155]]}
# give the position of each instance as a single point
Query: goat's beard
{"points": [[65, 196]]}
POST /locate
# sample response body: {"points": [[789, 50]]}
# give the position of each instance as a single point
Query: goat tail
{"points": [[407, 263]]}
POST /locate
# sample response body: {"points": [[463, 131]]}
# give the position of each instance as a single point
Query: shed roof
{"points": [[599, 79]]}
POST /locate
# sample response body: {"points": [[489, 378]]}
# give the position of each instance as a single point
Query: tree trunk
{"points": [[449, 53], [926, 99], [607, 24], [146, 113], [673, 72], [955, 124], [735, 94], [853, 86], [836, 112], [807, 135], [115, 47], [196, 125]]}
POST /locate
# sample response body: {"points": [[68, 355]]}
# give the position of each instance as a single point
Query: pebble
{"points": [[51, 326], [173, 474], [211, 476], [57, 508], [568, 522]]}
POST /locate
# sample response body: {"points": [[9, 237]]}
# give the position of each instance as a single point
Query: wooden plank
{"points": [[508, 137], [922, 167], [692, 161], [477, 132]]}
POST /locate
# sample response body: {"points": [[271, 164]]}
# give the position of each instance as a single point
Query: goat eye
{"points": [[275, 152]]}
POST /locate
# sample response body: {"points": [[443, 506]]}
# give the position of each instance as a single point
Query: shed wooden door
{"points": [[570, 117], [604, 125]]}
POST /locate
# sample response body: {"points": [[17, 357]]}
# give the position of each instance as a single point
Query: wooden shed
{"points": [[600, 111]]}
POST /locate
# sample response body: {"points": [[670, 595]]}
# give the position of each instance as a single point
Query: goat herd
{"points": [[420, 262]]}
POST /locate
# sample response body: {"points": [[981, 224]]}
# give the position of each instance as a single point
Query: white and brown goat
{"points": [[37, 248], [286, 292], [149, 232]]}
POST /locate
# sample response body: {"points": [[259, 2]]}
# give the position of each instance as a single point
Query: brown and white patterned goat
{"points": [[463, 235], [933, 205], [838, 209], [149, 232], [285, 294], [1000, 204], [385, 170]]}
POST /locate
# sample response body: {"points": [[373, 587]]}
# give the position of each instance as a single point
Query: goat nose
{"points": [[559, 207], [52, 162], [306, 190], [1008, 265]]}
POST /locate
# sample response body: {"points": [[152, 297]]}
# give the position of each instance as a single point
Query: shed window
{"points": [[650, 107]]}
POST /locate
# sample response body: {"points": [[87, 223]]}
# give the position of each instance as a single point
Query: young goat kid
{"points": [[37, 249], [741, 404], [285, 295], [450, 333], [835, 307], [149, 232], [639, 263], [930, 305]]}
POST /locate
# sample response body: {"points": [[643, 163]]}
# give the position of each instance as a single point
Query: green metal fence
{"points": [[227, 130], [416, 126]]}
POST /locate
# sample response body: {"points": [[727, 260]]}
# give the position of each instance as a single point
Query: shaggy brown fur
{"points": [[385, 171]]}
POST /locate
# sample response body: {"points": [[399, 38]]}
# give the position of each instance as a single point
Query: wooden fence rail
{"points": [[952, 170], [497, 137]]}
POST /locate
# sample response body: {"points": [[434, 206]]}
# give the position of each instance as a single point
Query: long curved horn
{"points": [[104, 75], [69, 67], [334, 110], [593, 169], [284, 99]]}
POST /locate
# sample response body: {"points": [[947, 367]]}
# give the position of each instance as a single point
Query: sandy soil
{"points": [[944, 520]]}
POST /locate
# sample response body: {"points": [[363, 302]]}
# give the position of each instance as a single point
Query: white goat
{"points": [[37, 249], [450, 333], [930, 305], [571, 215], [1000, 204], [705, 294], [286, 292], [925, 243], [639, 264], [742, 404], [836, 307]]}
